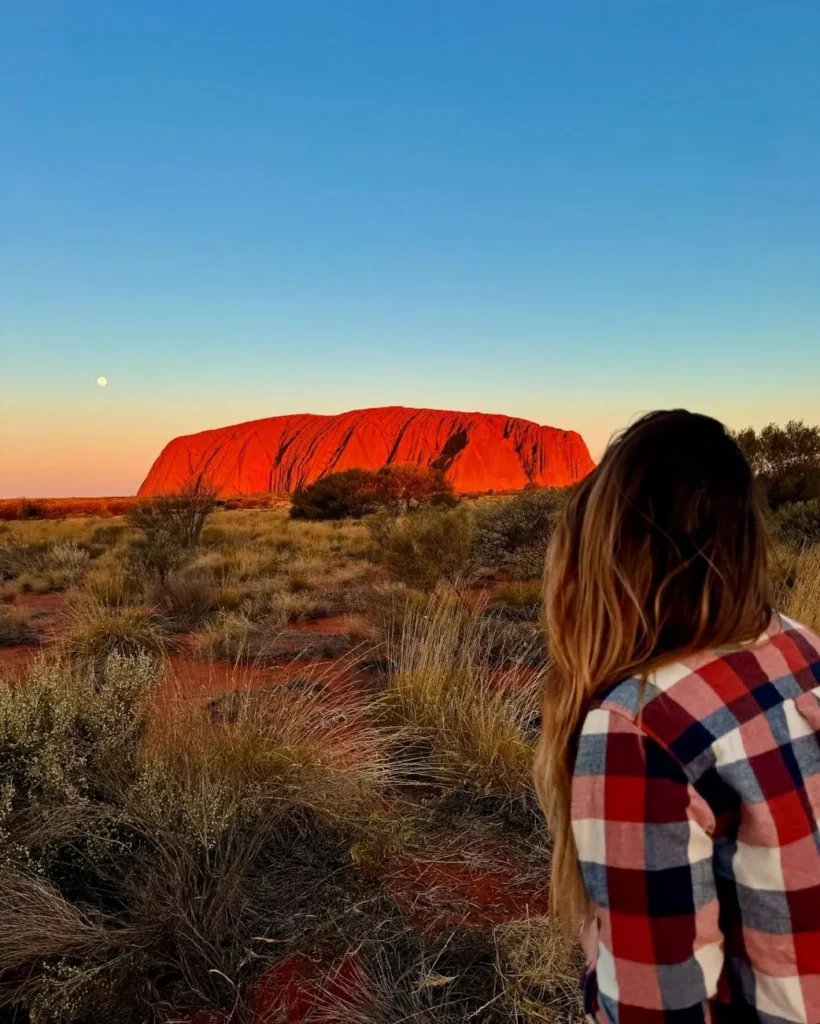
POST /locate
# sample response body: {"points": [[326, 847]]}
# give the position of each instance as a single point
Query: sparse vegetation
{"points": [[798, 523], [170, 527], [340, 796], [186, 598]]}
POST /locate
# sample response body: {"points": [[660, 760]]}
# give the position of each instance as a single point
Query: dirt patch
{"points": [[444, 894], [288, 992], [189, 677], [351, 624], [44, 611], [15, 660]]}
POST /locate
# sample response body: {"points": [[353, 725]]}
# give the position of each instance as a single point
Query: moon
{"points": [[102, 381]]}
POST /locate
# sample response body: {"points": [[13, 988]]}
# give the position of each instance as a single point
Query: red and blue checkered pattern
{"points": [[696, 814]]}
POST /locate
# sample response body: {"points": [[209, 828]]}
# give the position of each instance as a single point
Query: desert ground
{"points": [[281, 773]]}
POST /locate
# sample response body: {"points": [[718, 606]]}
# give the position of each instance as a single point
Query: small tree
{"points": [[171, 526], [409, 487], [786, 460]]}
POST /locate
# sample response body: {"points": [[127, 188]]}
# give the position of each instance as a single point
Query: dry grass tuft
{"points": [[446, 693], [94, 631], [539, 968], [797, 584]]}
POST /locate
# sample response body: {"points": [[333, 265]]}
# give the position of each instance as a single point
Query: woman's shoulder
{"points": [[688, 704]]}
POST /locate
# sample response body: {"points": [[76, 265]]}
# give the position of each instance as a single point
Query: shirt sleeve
{"points": [[644, 839]]}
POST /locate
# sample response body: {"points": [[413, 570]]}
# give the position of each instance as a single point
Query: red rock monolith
{"points": [[477, 452]]}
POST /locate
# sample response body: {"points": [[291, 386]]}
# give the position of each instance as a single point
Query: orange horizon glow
{"points": [[109, 453]]}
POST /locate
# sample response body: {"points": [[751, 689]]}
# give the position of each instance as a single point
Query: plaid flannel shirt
{"points": [[695, 815]]}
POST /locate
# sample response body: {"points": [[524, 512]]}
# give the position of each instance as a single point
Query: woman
{"points": [[679, 764]]}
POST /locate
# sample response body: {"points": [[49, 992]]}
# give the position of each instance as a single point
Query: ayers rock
{"points": [[476, 451]]}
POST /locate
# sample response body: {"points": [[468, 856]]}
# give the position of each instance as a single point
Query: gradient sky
{"points": [[571, 212]]}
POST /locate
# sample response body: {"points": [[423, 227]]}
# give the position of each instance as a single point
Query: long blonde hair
{"points": [[661, 552]]}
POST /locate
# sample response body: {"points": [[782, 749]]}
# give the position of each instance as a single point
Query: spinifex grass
{"points": [[447, 693]]}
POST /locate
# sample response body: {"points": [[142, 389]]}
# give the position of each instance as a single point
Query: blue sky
{"points": [[568, 212]]}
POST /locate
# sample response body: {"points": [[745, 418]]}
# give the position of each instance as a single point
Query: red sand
{"points": [[477, 451], [441, 894], [189, 677]]}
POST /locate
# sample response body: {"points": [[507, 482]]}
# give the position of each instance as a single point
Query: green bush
{"points": [[799, 522], [64, 732], [359, 492], [512, 535], [427, 547]]}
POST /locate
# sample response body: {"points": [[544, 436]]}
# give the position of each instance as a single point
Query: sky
{"points": [[569, 212]]}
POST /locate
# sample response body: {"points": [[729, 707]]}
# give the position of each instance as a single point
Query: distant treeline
{"points": [[786, 461], [12, 509]]}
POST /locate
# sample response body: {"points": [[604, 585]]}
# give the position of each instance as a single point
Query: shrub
{"points": [[66, 556], [17, 558], [15, 628], [356, 493], [512, 535], [425, 548], [108, 535], [405, 488], [171, 526], [337, 496], [42, 566], [66, 733], [799, 522]]}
